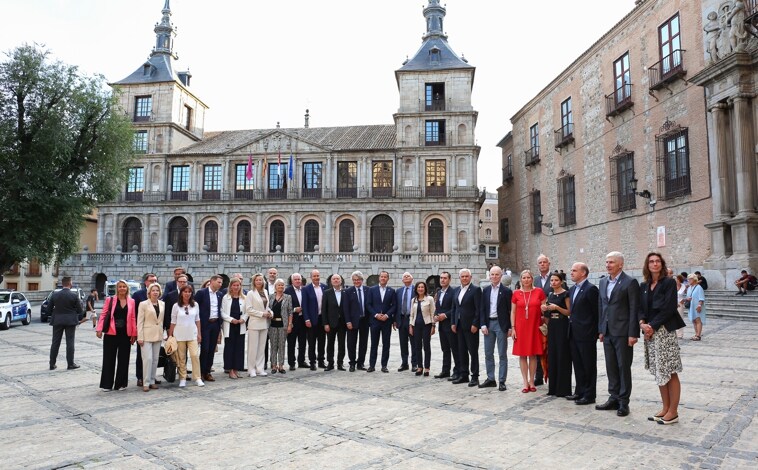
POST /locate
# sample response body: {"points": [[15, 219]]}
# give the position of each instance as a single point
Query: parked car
{"points": [[110, 287], [45, 312], [14, 307]]}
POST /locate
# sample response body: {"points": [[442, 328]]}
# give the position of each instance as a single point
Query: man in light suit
{"points": [[209, 304], [583, 334], [496, 326], [333, 316], [313, 295], [619, 330], [443, 316], [66, 310], [380, 307], [542, 281], [139, 297], [299, 334], [355, 308], [403, 298], [467, 322]]}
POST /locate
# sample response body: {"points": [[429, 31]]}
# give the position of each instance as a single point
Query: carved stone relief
{"points": [[726, 31]]}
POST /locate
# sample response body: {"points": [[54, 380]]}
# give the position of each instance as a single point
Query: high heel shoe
{"points": [[426, 373], [419, 371]]}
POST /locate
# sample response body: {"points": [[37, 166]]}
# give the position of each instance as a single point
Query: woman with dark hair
{"points": [[185, 328], [556, 311], [659, 320], [117, 322], [421, 326]]}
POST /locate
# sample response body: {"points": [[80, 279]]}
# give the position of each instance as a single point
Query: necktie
{"points": [[405, 301], [360, 297]]}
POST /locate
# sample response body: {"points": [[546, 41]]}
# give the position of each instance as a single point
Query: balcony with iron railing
{"points": [[667, 70], [564, 135], [619, 101], [435, 191], [532, 156], [508, 172]]}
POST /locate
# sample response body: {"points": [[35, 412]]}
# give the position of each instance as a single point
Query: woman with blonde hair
{"points": [[259, 316], [526, 317], [696, 299], [150, 315], [281, 324], [118, 323], [233, 312]]}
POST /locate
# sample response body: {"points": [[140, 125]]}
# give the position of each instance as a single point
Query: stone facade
{"points": [[624, 110]]}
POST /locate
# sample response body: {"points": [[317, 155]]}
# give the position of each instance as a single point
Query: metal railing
{"points": [[619, 101], [666, 70], [564, 135], [532, 156]]}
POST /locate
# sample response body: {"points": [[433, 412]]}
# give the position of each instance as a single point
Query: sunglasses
{"points": [[186, 310]]}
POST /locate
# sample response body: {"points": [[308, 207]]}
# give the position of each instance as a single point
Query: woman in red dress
{"points": [[526, 317]]}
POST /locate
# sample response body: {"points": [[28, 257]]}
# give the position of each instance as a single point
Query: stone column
{"points": [[418, 231], [453, 232], [162, 235], [722, 178], [328, 238], [100, 234], [293, 238], [364, 233], [192, 236], [744, 154], [260, 232], [224, 235], [145, 236]]}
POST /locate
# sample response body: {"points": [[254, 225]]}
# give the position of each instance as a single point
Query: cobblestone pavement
{"points": [[304, 419]]}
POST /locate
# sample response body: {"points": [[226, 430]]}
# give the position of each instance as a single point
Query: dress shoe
{"points": [[158, 382], [584, 401], [419, 372], [352, 368], [473, 383], [460, 380], [385, 370], [359, 367], [572, 397], [442, 375], [673, 420], [328, 368], [313, 367], [302, 365], [623, 410], [370, 369], [139, 382], [608, 405], [73, 366], [209, 378], [502, 387], [453, 378], [402, 368], [341, 367], [292, 368], [321, 365], [53, 367], [488, 383], [538, 382], [281, 371]]}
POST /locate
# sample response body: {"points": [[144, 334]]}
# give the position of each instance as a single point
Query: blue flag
{"points": [[290, 170]]}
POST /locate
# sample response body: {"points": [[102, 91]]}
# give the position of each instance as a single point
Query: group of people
{"points": [[554, 329]]}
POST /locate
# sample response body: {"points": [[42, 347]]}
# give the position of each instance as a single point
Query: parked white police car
{"points": [[14, 307]]}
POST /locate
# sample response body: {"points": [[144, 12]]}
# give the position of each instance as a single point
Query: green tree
{"points": [[64, 147]]}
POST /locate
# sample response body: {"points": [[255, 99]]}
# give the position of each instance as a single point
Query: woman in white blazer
{"points": [[259, 316], [150, 334], [422, 326], [234, 314]]}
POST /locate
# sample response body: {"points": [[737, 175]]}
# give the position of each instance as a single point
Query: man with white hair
{"points": [[355, 312], [299, 332], [402, 321], [466, 324], [496, 325]]}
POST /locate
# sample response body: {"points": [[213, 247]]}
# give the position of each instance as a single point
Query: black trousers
{"points": [[57, 337], [618, 366], [352, 343], [449, 346], [298, 337], [234, 348], [584, 358], [316, 336], [208, 346], [138, 363], [385, 331], [406, 342], [422, 341], [468, 348], [337, 334], [363, 335], [116, 351]]}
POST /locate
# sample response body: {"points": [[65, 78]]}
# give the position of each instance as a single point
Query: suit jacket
{"points": [[226, 313], [503, 307], [150, 325], [468, 311], [352, 306], [169, 287], [66, 308], [399, 292], [332, 314], [447, 306], [310, 303], [619, 314], [584, 312], [374, 304], [170, 299], [546, 286], [131, 317], [663, 311], [203, 300], [255, 307]]}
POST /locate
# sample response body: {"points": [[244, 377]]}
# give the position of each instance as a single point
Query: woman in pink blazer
{"points": [[118, 322]]}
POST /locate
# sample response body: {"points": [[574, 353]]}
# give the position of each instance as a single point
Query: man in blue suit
{"points": [[380, 308], [496, 324], [299, 333], [583, 334], [139, 297], [467, 322], [403, 298], [209, 303], [354, 304], [313, 295], [443, 315]]}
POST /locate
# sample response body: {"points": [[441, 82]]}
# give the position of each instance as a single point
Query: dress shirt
{"points": [[381, 292], [214, 303], [299, 296], [319, 296], [407, 300], [493, 301], [611, 284], [338, 294], [545, 281], [270, 289], [578, 286], [442, 295], [462, 293]]}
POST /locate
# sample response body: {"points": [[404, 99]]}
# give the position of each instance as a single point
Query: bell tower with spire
{"points": [[166, 114]]}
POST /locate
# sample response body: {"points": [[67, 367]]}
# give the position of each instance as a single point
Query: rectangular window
{"points": [[622, 79], [312, 180], [143, 108], [622, 172], [277, 181], [187, 117], [14, 270], [491, 252], [135, 186], [381, 181], [140, 142], [11, 285], [347, 179], [673, 163], [34, 269], [567, 119], [505, 235], [566, 201], [435, 97], [436, 178], [533, 154], [212, 182], [536, 212], [180, 182], [243, 187], [670, 46], [435, 133], [32, 286]]}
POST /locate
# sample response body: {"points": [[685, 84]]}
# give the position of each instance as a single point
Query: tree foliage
{"points": [[64, 147]]}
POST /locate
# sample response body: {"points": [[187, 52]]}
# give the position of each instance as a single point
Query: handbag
{"points": [[687, 304]]}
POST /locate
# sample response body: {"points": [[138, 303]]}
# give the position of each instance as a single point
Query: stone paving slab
{"points": [[315, 420]]}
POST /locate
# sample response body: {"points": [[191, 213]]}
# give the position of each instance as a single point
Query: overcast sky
{"points": [[256, 62]]}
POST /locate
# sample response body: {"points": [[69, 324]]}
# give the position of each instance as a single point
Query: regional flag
{"points": [[249, 173], [290, 170]]}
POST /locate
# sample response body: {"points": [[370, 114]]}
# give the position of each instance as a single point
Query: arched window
{"points": [[347, 236], [382, 234], [436, 236], [488, 234], [178, 229], [210, 236], [132, 235], [310, 236], [487, 214], [243, 236], [463, 242], [276, 236]]}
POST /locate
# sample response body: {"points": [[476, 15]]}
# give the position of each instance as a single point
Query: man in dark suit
{"points": [[209, 303], [333, 316], [443, 315], [619, 330], [298, 334], [583, 334], [173, 286], [403, 297], [496, 325], [542, 281], [467, 322], [139, 297], [355, 307], [66, 310], [380, 307], [170, 298], [313, 295]]}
